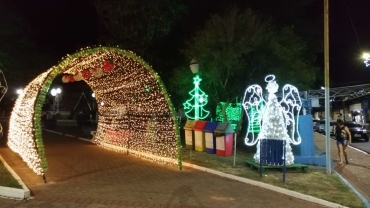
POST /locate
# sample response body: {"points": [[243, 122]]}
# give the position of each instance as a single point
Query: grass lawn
{"points": [[7, 179], [315, 182]]}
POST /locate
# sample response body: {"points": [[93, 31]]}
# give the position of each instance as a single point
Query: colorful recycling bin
{"points": [[200, 144], [224, 139], [210, 137], [189, 138]]}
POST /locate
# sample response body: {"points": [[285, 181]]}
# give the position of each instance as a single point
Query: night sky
{"points": [[61, 25], [348, 41], [64, 26]]}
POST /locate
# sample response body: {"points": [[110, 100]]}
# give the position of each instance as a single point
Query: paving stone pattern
{"points": [[357, 172], [82, 174]]}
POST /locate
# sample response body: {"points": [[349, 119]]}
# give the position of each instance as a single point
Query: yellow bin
{"points": [[199, 138]]}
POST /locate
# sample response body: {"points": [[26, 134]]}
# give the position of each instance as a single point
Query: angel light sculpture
{"points": [[3, 90], [278, 118], [3, 87]]}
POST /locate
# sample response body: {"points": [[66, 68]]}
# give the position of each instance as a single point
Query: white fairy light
{"points": [[275, 117], [130, 94]]}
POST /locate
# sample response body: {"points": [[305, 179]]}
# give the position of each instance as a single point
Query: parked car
{"points": [[321, 126], [315, 123], [332, 126], [357, 131]]}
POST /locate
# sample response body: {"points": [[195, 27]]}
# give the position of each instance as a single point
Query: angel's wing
{"points": [[291, 104], [3, 85], [253, 104]]}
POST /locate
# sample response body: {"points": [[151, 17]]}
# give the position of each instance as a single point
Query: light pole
{"points": [[19, 91], [194, 67], [366, 56], [56, 93], [198, 98], [327, 95], [93, 103]]}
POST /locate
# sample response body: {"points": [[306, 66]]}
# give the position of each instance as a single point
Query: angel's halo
{"points": [[270, 78]]}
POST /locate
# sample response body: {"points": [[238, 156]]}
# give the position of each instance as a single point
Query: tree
{"points": [[19, 56], [238, 48], [137, 25]]}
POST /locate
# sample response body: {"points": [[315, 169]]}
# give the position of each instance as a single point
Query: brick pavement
{"points": [[357, 172], [85, 175]]}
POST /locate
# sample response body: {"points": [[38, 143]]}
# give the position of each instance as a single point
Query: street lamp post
{"points": [[19, 91], [366, 56], [327, 95], [93, 103], [194, 67], [56, 93], [198, 98]]}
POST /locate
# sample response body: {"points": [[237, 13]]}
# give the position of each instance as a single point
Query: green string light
{"points": [[233, 113], [194, 106], [255, 127]]}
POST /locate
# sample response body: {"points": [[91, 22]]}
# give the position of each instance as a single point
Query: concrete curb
{"points": [[68, 135], [363, 199], [14, 193], [266, 186]]}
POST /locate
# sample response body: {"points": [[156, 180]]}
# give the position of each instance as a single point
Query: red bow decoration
{"points": [[86, 73], [108, 65], [71, 79]]}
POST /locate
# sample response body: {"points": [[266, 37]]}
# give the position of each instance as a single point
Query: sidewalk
{"points": [[357, 172], [75, 170], [85, 175]]}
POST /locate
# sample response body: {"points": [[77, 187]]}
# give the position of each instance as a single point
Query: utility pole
{"points": [[327, 86]]}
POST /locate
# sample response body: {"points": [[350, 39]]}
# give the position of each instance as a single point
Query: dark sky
{"points": [[61, 25], [349, 38], [67, 25]]}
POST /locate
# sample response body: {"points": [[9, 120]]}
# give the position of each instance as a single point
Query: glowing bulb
{"points": [[53, 92], [19, 91], [137, 114], [366, 55]]}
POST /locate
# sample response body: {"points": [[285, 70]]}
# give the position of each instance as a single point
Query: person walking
{"points": [[343, 137]]}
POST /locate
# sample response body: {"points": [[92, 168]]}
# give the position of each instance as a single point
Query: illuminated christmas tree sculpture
{"points": [[194, 106]]}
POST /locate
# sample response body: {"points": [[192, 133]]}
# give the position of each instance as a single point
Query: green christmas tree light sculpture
{"points": [[194, 106]]}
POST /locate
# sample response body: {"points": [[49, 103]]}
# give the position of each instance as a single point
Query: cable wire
{"points": [[353, 26]]}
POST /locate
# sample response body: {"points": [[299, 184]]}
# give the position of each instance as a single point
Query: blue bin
{"points": [[272, 152], [210, 137]]}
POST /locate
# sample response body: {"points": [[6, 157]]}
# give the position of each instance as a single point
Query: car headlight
{"points": [[364, 131]]}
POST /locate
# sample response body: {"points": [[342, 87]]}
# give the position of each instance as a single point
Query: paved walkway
{"points": [[357, 172], [85, 175]]}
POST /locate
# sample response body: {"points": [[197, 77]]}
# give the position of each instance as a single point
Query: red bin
{"points": [[224, 139]]}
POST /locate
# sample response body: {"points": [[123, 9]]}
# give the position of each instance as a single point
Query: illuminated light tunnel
{"points": [[135, 113]]}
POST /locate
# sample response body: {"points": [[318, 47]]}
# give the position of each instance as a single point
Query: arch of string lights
{"points": [[135, 113]]}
